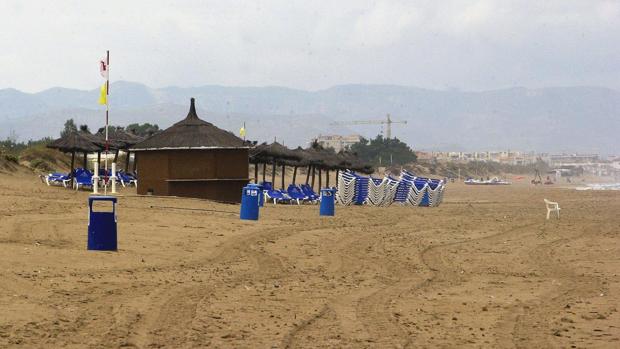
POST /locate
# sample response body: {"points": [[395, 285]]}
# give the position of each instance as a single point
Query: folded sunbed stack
{"points": [[346, 187], [381, 192], [406, 190]]}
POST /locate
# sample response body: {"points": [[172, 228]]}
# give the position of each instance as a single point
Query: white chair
{"points": [[552, 207]]}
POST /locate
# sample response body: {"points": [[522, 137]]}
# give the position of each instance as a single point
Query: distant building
{"points": [[338, 142], [573, 159], [424, 155], [504, 157]]}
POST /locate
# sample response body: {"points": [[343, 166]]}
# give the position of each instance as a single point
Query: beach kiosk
{"points": [[193, 158]]}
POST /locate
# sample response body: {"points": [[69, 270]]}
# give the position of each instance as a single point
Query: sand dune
{"points": [[483, 270]]}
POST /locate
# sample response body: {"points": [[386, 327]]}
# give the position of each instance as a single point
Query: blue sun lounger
{"points": [[309, 192], [274, 194]]}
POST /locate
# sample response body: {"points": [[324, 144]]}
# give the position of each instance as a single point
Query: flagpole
{"points": [[107, 111]]}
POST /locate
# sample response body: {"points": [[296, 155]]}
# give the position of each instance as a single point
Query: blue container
{"points": [[250, 200], [102, 224], [327, 202]]}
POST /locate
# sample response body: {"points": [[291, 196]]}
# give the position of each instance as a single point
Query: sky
{"points": [[310, 45]]}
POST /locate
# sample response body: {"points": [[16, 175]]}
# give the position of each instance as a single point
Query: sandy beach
{"points": [[485, 269]]}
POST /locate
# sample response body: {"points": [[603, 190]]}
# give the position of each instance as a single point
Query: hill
{"points": [[576, 119]]}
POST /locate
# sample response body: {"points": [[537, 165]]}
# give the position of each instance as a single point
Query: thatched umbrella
{"points": [[76, 142], [322, 159], [349, 160], [119, 139], [274, 153]]}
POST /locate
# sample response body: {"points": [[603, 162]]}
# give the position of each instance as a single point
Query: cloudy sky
{"points": [[469, 45]]}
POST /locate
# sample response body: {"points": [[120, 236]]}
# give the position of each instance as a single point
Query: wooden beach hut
{"points": [[193, 158]]}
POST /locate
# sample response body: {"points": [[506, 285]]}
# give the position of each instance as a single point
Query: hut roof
{"points": [[76, 141], [350, 161], [120, 138], [268, 152], [191, 133]]}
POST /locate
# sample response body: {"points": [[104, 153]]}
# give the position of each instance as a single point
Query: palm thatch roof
{"points": [[191, 133], [119, 138], [349, 160], [78, 142], [270, 152]]}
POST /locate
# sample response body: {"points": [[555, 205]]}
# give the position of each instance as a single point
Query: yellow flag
{"points": [[242, 132], [103, 95]]}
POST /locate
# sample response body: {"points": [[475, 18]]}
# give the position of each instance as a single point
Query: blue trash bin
{"points": [[102, 228], [250, 197], [327, 202]]}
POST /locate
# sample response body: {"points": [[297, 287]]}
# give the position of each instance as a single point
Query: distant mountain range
{"points": [[558, 119]]}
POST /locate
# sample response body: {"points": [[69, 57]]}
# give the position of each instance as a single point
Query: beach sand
{"points": [[486, 269]]}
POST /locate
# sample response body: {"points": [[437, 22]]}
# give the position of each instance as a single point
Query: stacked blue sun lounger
{"points": [[408, 189]]}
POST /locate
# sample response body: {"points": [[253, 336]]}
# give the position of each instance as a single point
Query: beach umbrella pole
{"points": [[327, 178], [294, 173], [320, 182], [256, 173], [72, 167], [85, 160], [273, 173], [283, 174], [264, 170], [313, 174], [127, 161], [308, 174]]}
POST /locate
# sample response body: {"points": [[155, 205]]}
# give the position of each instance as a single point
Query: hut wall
{"points": [[152, 172], [216, 174]]}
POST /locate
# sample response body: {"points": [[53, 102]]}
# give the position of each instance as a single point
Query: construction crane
{"points": [[388, 122]]}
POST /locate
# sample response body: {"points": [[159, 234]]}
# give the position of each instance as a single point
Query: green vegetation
{"points": [[11, 158], [382, 151], [143, 130], [38, 157], [69, 127]]}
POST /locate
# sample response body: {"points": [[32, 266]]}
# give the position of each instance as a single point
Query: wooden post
{"points": [[264, 170], [85, 160], [283, 175], [127, 161], [72, 168], [273, 174], [294, 173], [327, 178], [116, 155], [256, 173], [308, 174], [320, 181], [313, 173], [99, 157]]}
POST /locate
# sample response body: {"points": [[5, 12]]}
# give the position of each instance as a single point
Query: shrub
{"points": [[12, 158]]}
